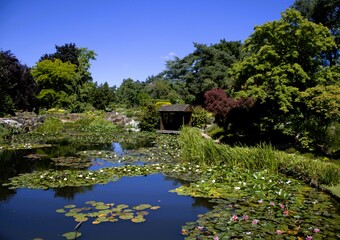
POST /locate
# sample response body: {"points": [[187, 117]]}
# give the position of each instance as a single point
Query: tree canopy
{"points": [[17, 87], [283, 64]]}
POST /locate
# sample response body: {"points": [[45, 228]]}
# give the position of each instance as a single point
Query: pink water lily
{"points": [[245, 217], [216, 238], [282, 206], [309, 238], [316, 230], [278, 232], [200, 228], [255, 221], [286, 212], [234, 218], [272, 204]]}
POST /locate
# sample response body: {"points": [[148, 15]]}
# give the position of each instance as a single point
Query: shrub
{"points": [[200, 117], [150, 119], [51, 125]]}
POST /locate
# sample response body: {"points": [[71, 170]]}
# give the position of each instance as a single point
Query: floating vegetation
{"points": [[71, 235], [35, 156], [57, 178], [261, 205], [72, 162], [99, 212]]}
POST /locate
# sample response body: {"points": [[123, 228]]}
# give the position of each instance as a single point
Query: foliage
{"points": [[202, 70], [56, 80], [17, 87], [235, 116], [150, 119], [128, 91], [197, 150], [283, 59], [102, 96], [51, 125], [200, 117], [326, 12]]}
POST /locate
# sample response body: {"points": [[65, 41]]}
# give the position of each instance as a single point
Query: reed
{"points": [[198, 150]]}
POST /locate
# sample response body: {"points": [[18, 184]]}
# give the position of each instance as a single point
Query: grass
{"points": [[198, 150]]}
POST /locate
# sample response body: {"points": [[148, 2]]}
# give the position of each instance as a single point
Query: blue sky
{"points": [[133, 38]]}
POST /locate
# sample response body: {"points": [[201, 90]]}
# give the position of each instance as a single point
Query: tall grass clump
{"points": [[51, 125], [199, 150]]}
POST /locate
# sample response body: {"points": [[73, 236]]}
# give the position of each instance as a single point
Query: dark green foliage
{"points": [[326, 12], [150, 119], [65, 53], [202, 70], [128, 92], [102, 96], [17, 87]]}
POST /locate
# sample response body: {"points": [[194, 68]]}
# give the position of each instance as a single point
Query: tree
{"points": [[17, 87], [204, 69], [128, 91], [65, 53], [102, 96], [283, 59], [326, 12], [56, 80]]}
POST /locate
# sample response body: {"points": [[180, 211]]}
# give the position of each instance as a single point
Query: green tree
{"points": [[128, 92], [204, 69], [326, 12], [56, 80], [283, 60]]}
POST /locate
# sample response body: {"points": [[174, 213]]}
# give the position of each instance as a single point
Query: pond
{"points": [[32, 213], [113, 191]]}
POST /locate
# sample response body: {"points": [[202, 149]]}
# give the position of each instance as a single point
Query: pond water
{"points": [[30, 214]]}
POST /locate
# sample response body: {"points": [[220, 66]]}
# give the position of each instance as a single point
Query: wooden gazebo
{"points": [[173, 117]]}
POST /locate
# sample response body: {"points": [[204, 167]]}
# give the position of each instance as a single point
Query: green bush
{"points": [[200, 117], [149, 121]]}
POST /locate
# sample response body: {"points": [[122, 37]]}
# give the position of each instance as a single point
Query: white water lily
{"points": [[237, 188], [213, 181], [65, 179], [80, 175]]}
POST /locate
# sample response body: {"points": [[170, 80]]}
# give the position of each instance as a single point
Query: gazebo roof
{"points": [[175, 108]]}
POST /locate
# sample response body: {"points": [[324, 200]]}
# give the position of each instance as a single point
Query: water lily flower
{"points": [[237, 188], [272, 204], [245, 217], [309, 238], [80, 175], [200, 228], [65, 179], [213, 181], [316, 230], [278, 232], [286, 212], [202, 181], [282, 206], [255, 221], [234, 218], [216, 238], [260, 201]]}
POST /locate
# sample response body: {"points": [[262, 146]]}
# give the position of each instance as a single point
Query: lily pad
{"points": [[61, 210], [71, 235], [142, 207], [70, 206], [138, 220]]}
